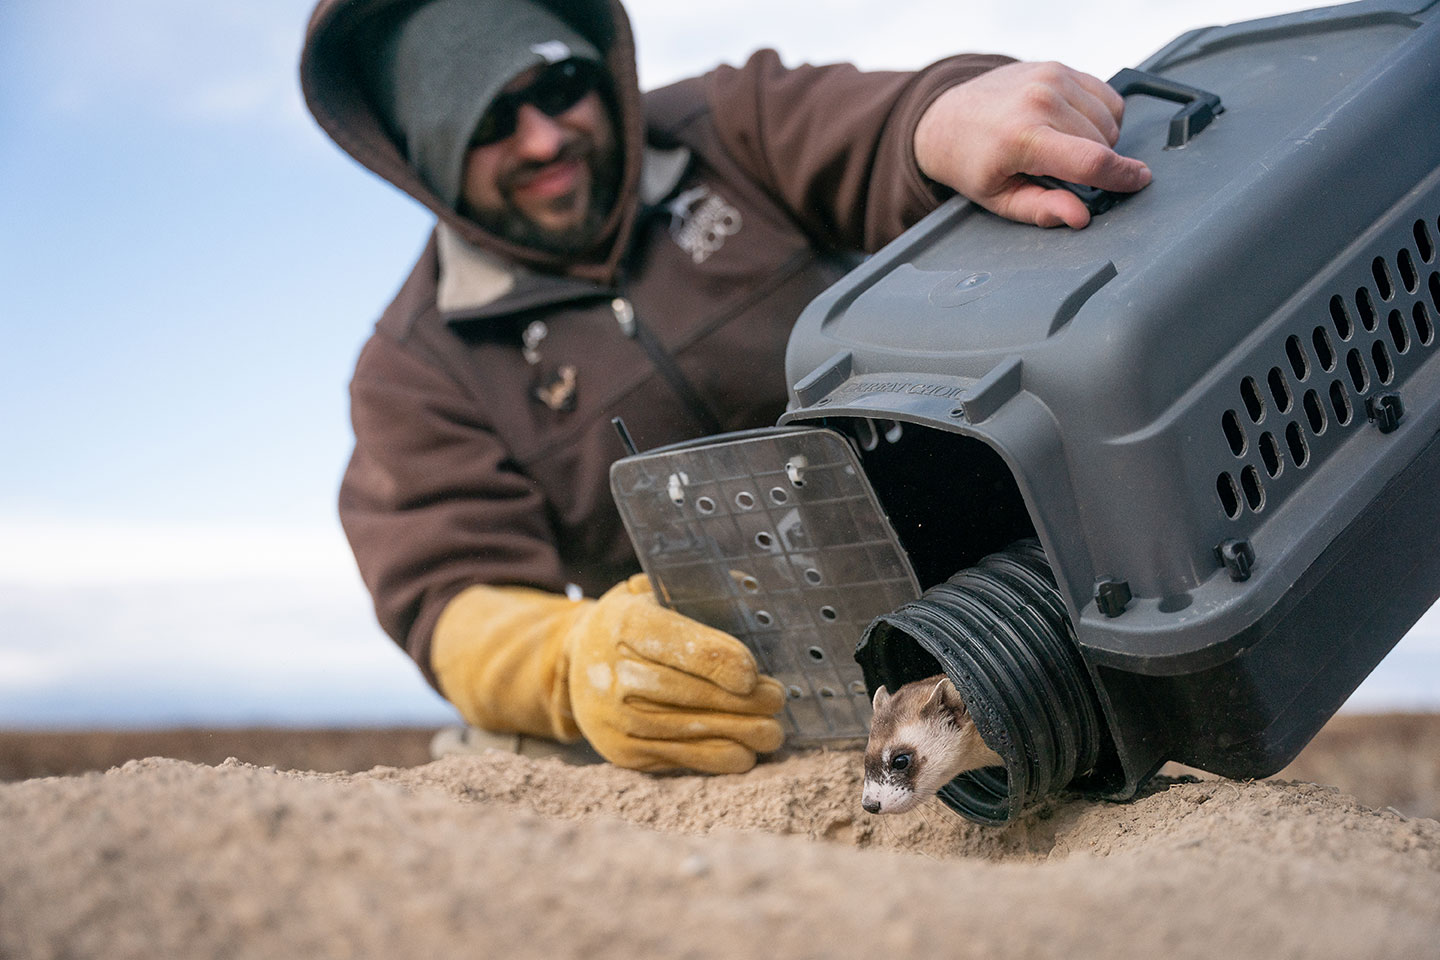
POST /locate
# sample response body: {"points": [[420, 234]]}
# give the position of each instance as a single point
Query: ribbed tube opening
{"points": [[1000, 632]]}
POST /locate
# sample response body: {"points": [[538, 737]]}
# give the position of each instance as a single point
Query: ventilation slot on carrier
{"points": [[1423, 243], [1344, 326], [1384, 366], [1340, 403], [1324, 349], [1280, 390], [1408, 276], [1299, 363], [1399, 333], [1254, 492], [1314, 412], [1254, 402], [1424, 328], [1270, 455], [1295, 440], [1234, 433], [1366, 305], [1359, 373], [1383, 283], [1229, 495]]}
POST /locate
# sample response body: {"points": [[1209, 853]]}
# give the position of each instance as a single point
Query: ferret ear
{"points": [[882, 697], [944, 698], [936, 700]]}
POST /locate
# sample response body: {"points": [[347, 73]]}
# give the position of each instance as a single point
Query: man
{"points": [[602, 253]]}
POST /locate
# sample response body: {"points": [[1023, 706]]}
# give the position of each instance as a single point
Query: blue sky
{"points": [[187, 269]]}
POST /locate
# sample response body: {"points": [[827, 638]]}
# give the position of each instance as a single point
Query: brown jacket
{"points": [[743, 189]]}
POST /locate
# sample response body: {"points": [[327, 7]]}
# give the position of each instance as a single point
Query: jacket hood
{"points": [[339, 38]]}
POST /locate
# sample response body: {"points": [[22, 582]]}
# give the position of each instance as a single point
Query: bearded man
{"points": [[600, 252]]}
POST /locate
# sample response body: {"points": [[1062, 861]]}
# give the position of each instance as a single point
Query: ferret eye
{"points": [[900, 761]]}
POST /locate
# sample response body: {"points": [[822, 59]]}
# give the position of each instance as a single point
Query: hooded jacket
{"points": [[483, 439]]}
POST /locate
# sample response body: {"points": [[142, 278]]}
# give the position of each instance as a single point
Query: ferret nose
{"points": [[871, 805]]}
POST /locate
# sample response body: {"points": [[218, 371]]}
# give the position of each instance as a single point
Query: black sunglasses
{"points": [[558, 88]]}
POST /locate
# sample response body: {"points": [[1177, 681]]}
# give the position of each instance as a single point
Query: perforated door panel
{"points": [[775, 537]]}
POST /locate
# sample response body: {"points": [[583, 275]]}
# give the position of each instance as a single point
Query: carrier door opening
{"points": [[950, 499]]}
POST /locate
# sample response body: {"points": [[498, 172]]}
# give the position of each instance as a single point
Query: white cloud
{"points": [[259, 650], [56, 551], [22, 669]]}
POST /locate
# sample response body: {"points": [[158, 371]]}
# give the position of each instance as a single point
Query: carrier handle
{"points": [[1198, 108]]}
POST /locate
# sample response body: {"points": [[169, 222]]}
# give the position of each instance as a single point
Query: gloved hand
{"points": [[649, 688]]}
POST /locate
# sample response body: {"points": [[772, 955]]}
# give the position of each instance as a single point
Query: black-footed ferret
{"points": [[920, 738]]}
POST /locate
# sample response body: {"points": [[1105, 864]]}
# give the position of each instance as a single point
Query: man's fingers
{"points": [[644, 680], [1070, 101], [1069, 119], [1110, 100], [1081, 160], [672, 640], [1092, 118], [1065, 157], [1028, 202]]}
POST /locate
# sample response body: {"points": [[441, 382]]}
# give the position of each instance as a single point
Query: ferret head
{"points": [[921, 738]]}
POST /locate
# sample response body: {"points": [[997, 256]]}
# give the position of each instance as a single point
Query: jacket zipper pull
{"points": [[624, 315]]}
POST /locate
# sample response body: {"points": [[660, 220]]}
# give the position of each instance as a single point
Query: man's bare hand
{"points": [[1043, 119]]}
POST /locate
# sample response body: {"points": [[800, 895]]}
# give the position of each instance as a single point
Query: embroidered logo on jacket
{"points": [[700, 222]]}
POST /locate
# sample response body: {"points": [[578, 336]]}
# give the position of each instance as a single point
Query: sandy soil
{"points": [[499, 856]]}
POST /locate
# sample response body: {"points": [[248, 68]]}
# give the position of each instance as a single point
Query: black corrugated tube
{"points": [[1000, 632]]}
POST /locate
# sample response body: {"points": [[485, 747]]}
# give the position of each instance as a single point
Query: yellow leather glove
{"points": [[650, 689]]}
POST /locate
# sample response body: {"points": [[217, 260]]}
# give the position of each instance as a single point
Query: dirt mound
{"points": [[501, 856]]}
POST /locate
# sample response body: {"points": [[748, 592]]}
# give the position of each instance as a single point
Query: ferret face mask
{"points": [[921, 738]]}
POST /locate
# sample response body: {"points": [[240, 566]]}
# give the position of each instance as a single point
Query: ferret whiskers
{"points": [[908, 831]]}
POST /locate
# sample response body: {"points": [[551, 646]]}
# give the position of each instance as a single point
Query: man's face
{"points": [[550, 183]]}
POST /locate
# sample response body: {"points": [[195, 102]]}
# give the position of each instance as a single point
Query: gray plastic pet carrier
{"points": [[1170, 485]]}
